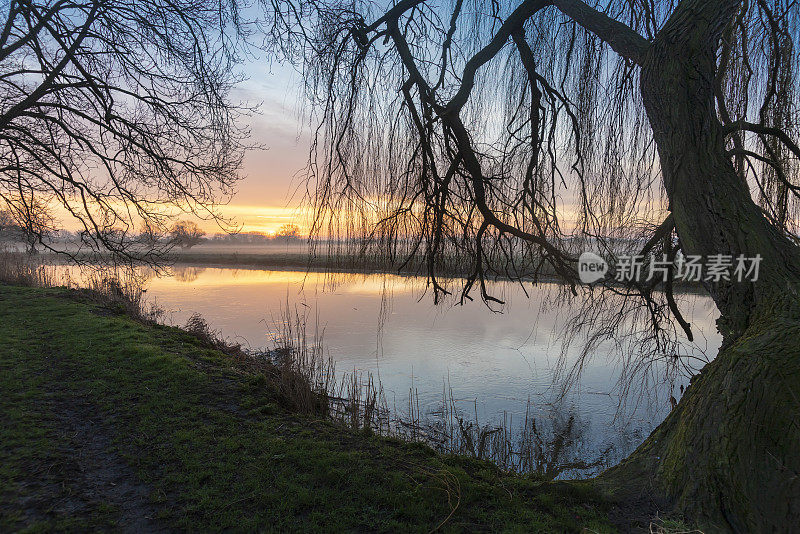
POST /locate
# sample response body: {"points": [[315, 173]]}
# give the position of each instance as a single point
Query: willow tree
{"points": [[510, 132], [116, 113]]}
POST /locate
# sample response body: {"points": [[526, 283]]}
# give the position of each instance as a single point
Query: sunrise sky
{"points": [[265, 199], [272, 188]]}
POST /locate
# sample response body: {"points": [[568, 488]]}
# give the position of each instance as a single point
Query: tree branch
{"points": [[514, 22], [764, 130], [621, 38]]}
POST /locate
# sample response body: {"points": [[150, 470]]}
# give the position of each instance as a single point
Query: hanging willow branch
{"points": [[508, 138]]}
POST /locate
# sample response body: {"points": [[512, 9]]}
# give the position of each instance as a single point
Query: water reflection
{"points": [[186, 274], [498, 365]]}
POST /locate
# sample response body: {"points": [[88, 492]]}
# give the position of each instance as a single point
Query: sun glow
{"points": [[263, 219], [241, 218]]}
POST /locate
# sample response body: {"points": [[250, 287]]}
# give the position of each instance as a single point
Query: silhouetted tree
{"points": [[116, 111], [30, 224], [6, 220], [186, 234], [519, 133], [288, 232], [148, 235]]}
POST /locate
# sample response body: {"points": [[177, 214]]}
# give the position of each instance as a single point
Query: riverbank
{"points": [[112, 423], [450, 274]]}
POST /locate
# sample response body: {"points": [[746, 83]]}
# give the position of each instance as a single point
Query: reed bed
{"points": [[546, 447], [19, 269], [117, 288]]}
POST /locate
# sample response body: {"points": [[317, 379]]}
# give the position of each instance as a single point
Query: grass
{"points": [[109, 422]]}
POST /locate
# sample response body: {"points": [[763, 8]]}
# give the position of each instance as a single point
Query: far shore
{"points": [[297, 256]]}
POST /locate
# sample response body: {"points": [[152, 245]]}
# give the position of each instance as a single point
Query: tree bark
{"points": [[712, 207], [729, 454]]}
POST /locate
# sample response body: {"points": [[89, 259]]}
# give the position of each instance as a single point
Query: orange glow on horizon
{"points": [[264, 219], [243, 218]]}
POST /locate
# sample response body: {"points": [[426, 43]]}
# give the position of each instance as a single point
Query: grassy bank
{"points": [[110, 422]]}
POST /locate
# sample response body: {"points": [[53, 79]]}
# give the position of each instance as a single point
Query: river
{"points": [[496, 364]]}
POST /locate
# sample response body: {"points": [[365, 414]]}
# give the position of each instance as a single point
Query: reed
{"points": [[302, 375], [544, 446]]}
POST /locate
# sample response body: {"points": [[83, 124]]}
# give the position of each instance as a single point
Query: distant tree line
{"points": [[286, 233], [184, 234]]}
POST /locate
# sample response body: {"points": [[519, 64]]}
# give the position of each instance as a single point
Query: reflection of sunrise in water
{"points": [[386, 325]]}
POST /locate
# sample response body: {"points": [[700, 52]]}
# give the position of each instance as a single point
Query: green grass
{"points": [[105, 422]]}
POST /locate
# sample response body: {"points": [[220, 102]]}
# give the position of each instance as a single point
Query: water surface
{"points": [[495, 362]]}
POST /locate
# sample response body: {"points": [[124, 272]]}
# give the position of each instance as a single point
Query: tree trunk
{"points": [[729, 454]]}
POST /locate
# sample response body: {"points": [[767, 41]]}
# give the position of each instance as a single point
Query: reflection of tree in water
{"points": [[187, 274], [549, 440], [554, 446], [551, 444]]}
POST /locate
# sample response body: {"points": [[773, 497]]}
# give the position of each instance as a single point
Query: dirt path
{"points": [[79, 474], [98, 474]]}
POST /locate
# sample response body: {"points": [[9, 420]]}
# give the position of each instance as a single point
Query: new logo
{"points": [[591, 267]]}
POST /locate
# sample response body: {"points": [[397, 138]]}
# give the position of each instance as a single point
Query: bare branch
{"points": [[619, 37]]}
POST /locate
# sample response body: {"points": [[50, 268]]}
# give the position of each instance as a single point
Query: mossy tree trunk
{"points": [[729, 454]]}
